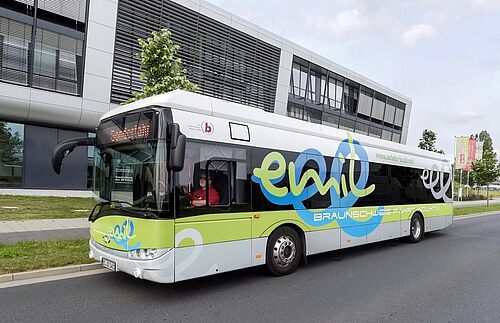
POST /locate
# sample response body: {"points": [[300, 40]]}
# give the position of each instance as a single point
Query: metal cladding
{"points": [[224, 62]]}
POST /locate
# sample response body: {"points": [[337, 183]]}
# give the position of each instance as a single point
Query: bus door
{"points": [[211, 234]]}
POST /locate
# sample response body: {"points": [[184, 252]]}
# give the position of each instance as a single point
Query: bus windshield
{"points": [[134, 176]]}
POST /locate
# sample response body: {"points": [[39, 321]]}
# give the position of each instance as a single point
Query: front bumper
{"points": [[159, 270]]}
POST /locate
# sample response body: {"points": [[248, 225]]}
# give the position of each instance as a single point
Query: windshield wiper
{"points": [[116, 204]]}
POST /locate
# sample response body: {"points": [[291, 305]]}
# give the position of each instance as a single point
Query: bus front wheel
{"points": [[283, 252], [416, 228]]}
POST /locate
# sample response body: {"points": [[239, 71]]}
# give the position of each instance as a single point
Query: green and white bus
{"points": [[189, 186]]}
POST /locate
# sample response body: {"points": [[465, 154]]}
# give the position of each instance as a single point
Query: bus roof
{"points": [[209, 106]]}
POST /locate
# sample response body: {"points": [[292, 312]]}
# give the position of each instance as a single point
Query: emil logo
{"points": [[207, 128]]}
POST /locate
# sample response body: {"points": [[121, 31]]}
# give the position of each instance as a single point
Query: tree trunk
{"points": [[488, 195]]}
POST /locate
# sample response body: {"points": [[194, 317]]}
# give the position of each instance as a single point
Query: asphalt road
{"points": [[452, 275]]}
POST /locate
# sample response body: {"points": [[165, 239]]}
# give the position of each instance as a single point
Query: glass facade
{"points": [[43, 47], [15, 38], [57, 62], [26, 154], [321, 96], [11, 154]]}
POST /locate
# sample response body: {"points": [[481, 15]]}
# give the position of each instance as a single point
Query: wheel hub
{"points": [[284, 251], [416, 228]]}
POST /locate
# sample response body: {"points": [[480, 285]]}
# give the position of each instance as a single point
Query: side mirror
{"points": [[65, 148], [177, 148], [175, 132], [177, 154]]}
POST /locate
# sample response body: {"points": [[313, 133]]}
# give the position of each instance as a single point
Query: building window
{"points": [[350, 99], [295, 111], [54, 59], [347, 124], [400, 113], [331, 120], [365, 103], [295, 80], [58, 62], [321, 96], [375, 132], [386, 135], [14, 48], [390, 110], [378, 107], [362, 128], [396, 137], [335, 88], [11, 154], [312, 115]]}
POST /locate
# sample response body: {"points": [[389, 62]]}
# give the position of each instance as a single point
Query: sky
{"points": [[443, 54]]}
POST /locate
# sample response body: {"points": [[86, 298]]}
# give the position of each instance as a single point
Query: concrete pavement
{"points": [[34, 192], [474, 203], [16, 231]]}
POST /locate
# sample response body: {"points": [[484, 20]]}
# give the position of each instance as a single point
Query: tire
{"points": [[416, 228], [283, 251]]}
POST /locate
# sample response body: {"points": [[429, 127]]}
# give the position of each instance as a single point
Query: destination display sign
{"points": [[127, 128], [131, 133]]}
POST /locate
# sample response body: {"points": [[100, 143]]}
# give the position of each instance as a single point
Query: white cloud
{"points": [[470, 114], [344, 21], [417, 33], [463, 117], [485, 4]]}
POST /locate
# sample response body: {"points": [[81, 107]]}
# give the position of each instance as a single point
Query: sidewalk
{"points": [[474, 203], [59, 193], [16, 231]]}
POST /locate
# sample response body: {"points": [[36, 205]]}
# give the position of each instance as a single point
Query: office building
{"points": [[65, 63]]}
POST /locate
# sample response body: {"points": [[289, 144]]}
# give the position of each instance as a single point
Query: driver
{"points": [[198, 197]]}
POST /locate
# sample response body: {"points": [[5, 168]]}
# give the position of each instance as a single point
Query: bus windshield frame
{"points": [[130, 166]]}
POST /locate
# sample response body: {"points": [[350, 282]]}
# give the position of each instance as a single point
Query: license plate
{"points": [[106, 263]]}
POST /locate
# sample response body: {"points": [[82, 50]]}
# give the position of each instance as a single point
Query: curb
{"points": [[48, 272]]}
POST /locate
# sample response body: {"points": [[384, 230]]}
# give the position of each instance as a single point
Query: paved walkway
{"points": [[15, 231], [33, 192], [474, 203]]}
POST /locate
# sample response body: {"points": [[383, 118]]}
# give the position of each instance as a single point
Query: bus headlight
{"points": [[146, 254]]}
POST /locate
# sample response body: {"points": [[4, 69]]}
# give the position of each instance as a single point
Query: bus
{"points": [[190, 186]]}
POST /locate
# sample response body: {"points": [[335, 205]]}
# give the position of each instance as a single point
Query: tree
{"points": [[11, 145], [486, 170], [161, 69], [428, 141]]}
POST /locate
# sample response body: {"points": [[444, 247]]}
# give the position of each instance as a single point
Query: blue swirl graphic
{"points": [[340, 204], [121, 237]]}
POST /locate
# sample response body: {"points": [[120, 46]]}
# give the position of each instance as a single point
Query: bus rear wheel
{"points": [[283, 251], [416, 228]]}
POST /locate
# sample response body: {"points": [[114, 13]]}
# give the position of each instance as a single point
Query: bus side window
{"points": [[229, 179], [220, 175], [228, 170], [241, 184]]}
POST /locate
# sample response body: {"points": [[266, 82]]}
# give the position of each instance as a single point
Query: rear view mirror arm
{"points": [[65, 148]]}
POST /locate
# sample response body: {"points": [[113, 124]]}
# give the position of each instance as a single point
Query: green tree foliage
{"points": [[11, 145], [428, 141], [486, 170], [162, 70]]}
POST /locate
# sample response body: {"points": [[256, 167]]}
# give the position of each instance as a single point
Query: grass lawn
{"points": [[460, 211], [16, 207], [32, 255]]}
